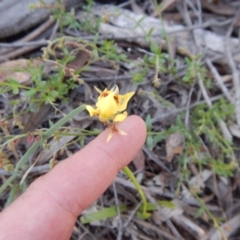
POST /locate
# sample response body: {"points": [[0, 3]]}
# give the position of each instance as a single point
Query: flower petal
{"points": [[115, 89], [92, 111], [123, 101], [110, 108], [107, 106], [102, 119], [98, 90], [120, 117]]}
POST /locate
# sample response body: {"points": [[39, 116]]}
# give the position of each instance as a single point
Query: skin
{"points": [[52, 203]]}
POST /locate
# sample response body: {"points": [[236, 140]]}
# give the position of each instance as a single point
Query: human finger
{"points": [[52, 203]]}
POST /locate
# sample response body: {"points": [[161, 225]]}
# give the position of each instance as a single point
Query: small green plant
{"points": [[157, 59], [89, 5], [45, 89], [217, 155], [205, 129], [140, 76], [110, 51], [194, 66]]}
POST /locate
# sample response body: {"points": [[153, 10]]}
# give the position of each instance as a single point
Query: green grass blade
{"points": [[102, 214]]}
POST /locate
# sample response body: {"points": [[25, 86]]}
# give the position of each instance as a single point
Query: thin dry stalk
{"points": [[226, 133], [219, 80]]}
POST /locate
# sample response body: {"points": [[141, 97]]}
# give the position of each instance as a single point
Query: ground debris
{"points": [[184, 70]]}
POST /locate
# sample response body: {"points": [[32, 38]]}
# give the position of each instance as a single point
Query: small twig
{"points": [[99, 79], [186, 15], [163, 215], [188, 106], [120, 224], [199, 13], [30, 36], [157, 191], [86, 231], [170, 32], [217, 194], [17, 53], [130, 217], [232, 65], [189, 226], [35, 169], [154, 228], [135, 235], [204, 91], [226, 229], [38, 31], [219, 81], [156, 160], [24, 44], [180, 110], [226, 133], [54, 30], [13, 54], [193, 8]]}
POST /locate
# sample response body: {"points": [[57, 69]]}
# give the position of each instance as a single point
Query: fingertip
{"points": [[140, 127], [123, 148], [79, 180]]}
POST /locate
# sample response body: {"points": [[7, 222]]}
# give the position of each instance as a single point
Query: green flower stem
{"points": [[37, 144], [131, 176]]}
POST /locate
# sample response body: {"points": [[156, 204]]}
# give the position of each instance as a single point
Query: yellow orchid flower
{"points": [[110, 108]]}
